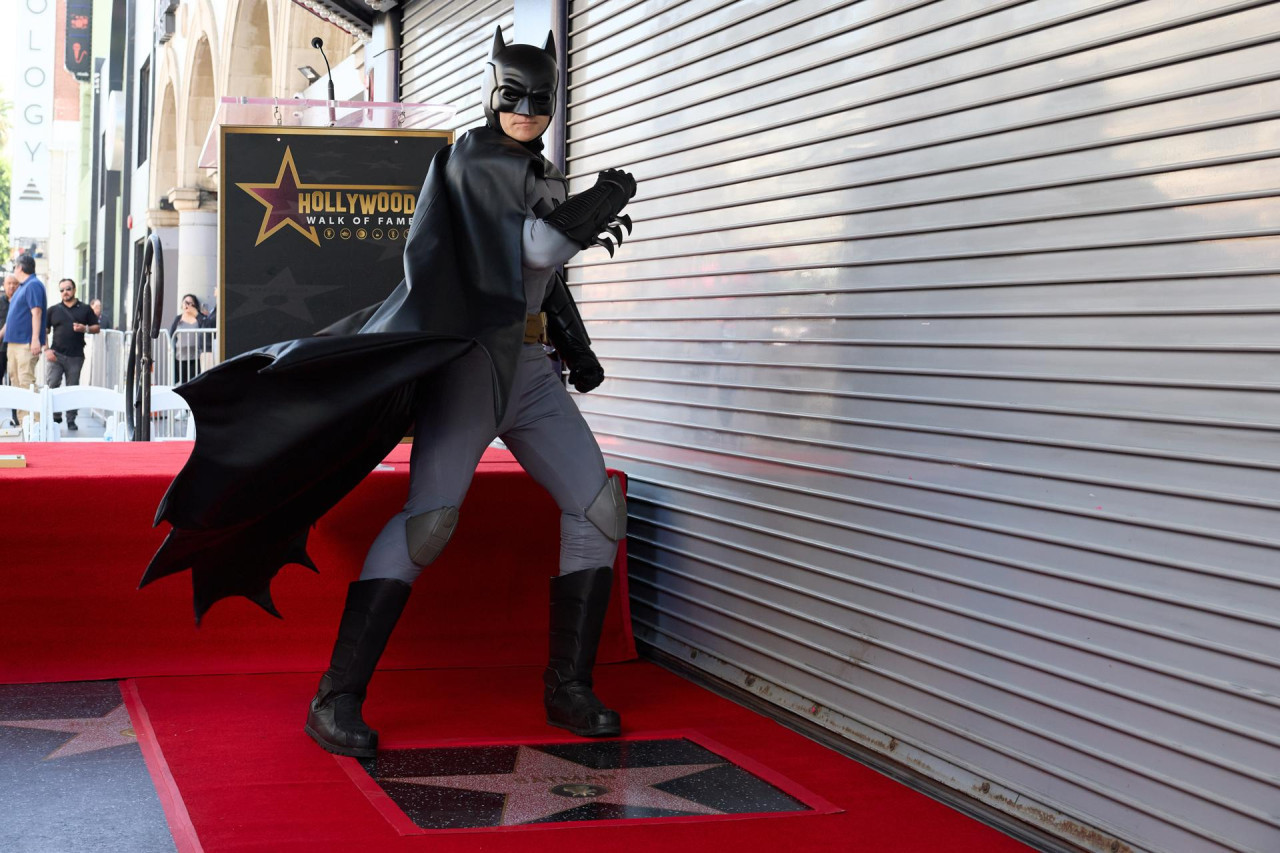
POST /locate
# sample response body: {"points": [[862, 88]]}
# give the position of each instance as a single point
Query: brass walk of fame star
{"points": [[91, 734], [542, 785], [281, 200]]}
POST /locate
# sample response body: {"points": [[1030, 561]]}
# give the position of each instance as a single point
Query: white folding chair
{"points": [[61, 400], [30, 401], [171, 415]]}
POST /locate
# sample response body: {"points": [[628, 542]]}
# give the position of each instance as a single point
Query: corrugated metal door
{"points": [[944, 361], [443, 47]]}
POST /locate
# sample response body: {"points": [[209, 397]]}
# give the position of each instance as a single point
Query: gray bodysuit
{"points": [[454, 423]]}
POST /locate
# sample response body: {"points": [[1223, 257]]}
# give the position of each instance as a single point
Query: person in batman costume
{"points": [[457, 352]]}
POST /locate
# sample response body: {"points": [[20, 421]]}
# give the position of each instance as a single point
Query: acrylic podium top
{"points": [[299, 112]]}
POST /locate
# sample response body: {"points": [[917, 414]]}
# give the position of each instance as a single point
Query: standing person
{"points": [[10, 288], [210, 320], [456, 351], [104, 320], [186, 347], [69, 321], [24, 329]]}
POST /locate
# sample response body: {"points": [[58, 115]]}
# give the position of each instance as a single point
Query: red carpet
{"points": [[252, 781], [227, 752], [72, 611]]}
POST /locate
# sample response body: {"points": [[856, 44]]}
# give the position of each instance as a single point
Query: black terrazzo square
{"points": [[443, 788]]}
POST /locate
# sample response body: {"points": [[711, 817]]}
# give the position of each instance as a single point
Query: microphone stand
{"points": [[318, 44]]}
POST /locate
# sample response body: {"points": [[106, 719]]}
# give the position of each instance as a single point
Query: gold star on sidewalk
{"points": [[542, 785], [91, 734]]}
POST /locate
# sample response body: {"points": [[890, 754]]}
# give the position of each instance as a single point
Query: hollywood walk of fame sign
{"points": [[312, 225]]}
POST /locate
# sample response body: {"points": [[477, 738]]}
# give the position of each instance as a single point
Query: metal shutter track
{"points": [[943, 362]]}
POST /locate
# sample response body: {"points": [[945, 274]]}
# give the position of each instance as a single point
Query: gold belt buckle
{"points": [[535, 328]]}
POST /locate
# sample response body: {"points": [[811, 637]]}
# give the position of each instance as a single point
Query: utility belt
{"points": [[535, 328]]}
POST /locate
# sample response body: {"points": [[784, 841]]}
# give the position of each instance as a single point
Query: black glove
{"points": [[569, 336], [585, 372], [583, 217], [620, 180]]}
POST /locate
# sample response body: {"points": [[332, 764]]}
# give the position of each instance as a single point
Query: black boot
{"points": [[578, 604], [371, 612]]}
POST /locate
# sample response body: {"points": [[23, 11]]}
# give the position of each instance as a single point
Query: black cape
{"points": [[285, 431]]}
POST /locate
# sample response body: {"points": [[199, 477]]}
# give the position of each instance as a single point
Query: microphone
{"points": [[318, 44]]}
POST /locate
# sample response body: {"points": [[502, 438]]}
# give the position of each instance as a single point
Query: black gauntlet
{"points": [[569, 336], [585, 217]]}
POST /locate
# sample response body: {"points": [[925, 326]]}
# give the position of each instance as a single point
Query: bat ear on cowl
{"points": [[498, 44], [550, 46]]}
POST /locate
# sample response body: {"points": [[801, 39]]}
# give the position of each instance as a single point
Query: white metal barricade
{"points": [[183, 354]]}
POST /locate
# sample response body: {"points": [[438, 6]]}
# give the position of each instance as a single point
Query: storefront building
{"points": [[940, 361]]}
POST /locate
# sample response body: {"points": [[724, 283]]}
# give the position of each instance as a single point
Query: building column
{"points": [[382, 63], [534, 19], [197, 267]]}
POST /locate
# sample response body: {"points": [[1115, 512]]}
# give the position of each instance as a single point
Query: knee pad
{"points": [[429, 532], [608, 511]]}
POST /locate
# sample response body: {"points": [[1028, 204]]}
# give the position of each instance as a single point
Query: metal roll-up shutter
{"points": [[944, 364], [443, 48]]}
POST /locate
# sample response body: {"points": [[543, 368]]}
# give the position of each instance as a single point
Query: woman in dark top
{"points": [[186, 347]]}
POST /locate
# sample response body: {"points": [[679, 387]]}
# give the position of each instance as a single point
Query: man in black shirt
{"points": [[69, 320]]}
